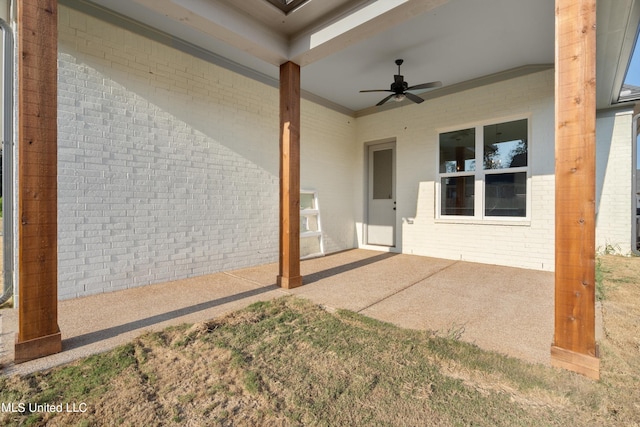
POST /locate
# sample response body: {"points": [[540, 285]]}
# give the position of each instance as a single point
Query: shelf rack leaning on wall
{"points": [[311, 244]]}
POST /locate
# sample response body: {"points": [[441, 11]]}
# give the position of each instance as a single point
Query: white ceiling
{"points": [[348, 45], [458, 41]]}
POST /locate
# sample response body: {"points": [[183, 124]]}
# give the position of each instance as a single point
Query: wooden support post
{"points": [[574, 345], [38, 331], [289, 275]]}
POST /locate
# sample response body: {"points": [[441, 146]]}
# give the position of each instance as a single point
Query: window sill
{"points": [[476, 221]]}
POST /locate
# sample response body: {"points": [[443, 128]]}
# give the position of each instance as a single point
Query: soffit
{"points": [[616, 31]]}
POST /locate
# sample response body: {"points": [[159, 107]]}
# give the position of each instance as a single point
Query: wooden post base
{"points": [[584, 364], [289, 282], [37, 347]]}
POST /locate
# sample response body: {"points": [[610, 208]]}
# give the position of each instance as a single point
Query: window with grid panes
{"points": [[483, 171]]}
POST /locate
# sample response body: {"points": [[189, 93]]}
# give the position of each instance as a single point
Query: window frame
{"points": [[479, 176]]}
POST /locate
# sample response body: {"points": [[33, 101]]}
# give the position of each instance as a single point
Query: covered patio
{"points": [[501, 309], [175, 130]]}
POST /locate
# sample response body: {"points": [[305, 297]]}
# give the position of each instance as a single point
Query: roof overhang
{"points": [[618, 22]]}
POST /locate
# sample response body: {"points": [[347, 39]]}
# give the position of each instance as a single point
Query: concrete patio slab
{"points": [[98, 323], [498, 308], [503, 309], [353, 280]]}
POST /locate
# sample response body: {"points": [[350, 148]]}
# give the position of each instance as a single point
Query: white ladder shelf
{"points": [[311, 244]]}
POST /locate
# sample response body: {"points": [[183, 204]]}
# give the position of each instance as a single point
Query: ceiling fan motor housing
{"points": [[399, 85]]}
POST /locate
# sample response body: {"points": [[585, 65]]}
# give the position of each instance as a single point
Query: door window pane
{"points": [[383, 174], [457, 195], [458, 151], [506, 194], [505, 145]]}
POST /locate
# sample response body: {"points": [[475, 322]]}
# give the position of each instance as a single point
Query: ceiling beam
{"points": [[236, 29], [226, 24], [357, 25]]}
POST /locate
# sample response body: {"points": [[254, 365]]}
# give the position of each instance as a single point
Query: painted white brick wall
{"points": [[168, 164], [614, 165], [328, 154], [416, 128]]}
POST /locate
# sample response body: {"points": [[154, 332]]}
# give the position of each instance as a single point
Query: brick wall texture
{"points": [[614, 165], [168, 164]]}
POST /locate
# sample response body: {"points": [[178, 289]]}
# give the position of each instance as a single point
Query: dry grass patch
{"points": [[289, 362]]}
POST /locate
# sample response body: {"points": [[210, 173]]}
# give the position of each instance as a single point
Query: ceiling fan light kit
{"points": [[400, 89]]}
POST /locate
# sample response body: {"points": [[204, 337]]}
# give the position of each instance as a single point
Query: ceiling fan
{"points": [[399, 88]]}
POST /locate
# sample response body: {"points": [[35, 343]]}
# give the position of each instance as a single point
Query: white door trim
{"points": [[386, 216]]}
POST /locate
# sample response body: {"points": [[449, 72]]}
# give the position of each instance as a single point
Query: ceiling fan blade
{"points": [[425, 86], [385, 100], [376, 90], [414, 98]]}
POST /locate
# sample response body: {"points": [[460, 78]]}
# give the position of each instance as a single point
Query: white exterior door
{"points": [[381, 205]]}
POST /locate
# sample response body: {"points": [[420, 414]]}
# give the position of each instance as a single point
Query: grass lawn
{"points": [[289, 362]]}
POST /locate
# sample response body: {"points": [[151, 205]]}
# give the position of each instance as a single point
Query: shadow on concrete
{"points": [[319, 275], [103, 334]]}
